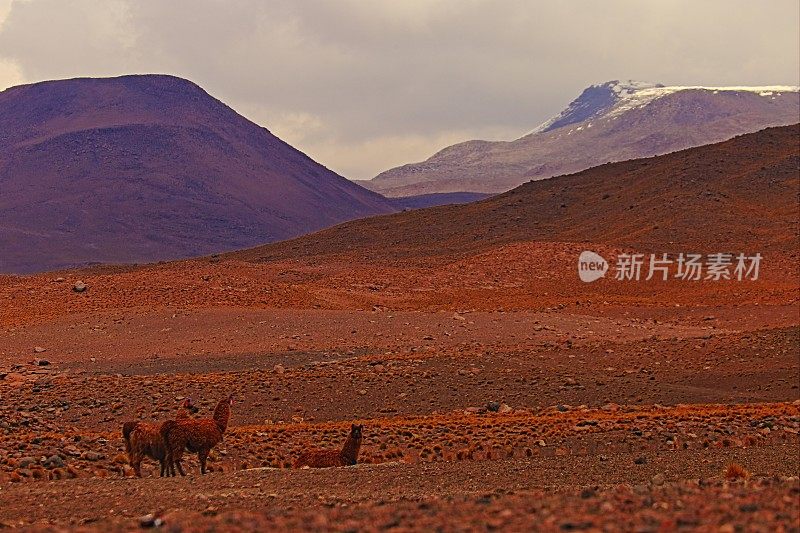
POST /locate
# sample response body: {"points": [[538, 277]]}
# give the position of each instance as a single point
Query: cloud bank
{"points": [[364, 85]]}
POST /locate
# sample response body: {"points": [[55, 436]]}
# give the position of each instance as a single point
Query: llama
{"points": [[143, 439], [347, 456], [197, 436]]}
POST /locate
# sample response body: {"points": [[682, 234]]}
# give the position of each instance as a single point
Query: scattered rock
{"points": [[149, 521], [25, 462], [211, 510], [640, 460], [73, 451], [493, 406], [657, 480], [79, 286], [279, 369], [39, 349], [54, 461]]}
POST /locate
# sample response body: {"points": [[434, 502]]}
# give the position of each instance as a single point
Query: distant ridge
{"points": [[435, 199], [613, 121], [737, 195]]}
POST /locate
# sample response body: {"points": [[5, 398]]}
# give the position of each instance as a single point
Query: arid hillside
{"points": [[740, 193], [146, 168]]}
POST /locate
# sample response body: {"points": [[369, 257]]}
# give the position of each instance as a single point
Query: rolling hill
{"points": [[150, 167], [734, 195]]}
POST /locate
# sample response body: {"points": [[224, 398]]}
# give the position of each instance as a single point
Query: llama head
{"points": [[356, 431], [189, 406], [224, 405], [222, 412]]}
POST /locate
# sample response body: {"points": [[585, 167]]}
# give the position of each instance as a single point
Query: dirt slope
{"points": [[145, 168], [734, 195]]}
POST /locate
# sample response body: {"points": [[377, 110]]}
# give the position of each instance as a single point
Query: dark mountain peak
{"points": [[595, 101], [55, 107], [149, 167], [69, 91]]}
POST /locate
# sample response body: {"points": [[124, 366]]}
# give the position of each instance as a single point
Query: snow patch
{"points": [[633, 99], [624, 96]]}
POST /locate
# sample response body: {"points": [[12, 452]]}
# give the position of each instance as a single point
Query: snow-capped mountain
{"points": [[594, 101], [611, 121]]}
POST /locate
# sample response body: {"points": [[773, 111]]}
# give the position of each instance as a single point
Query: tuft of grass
{"points": [[736, 472]]}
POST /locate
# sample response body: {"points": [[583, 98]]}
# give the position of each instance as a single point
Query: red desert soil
{"points": [[495, 388]]}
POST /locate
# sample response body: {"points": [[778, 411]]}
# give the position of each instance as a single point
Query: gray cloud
{"points": [[362, 85]]}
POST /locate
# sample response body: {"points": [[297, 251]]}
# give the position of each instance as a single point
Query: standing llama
{"points": [[347, 456], [195, 435], [144, 440]]}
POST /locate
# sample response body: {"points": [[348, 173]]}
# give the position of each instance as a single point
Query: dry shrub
{"points": [[736, 472]]}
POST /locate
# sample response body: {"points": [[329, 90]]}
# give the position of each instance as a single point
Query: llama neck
{"points": [[221, 414], [350, 450]]}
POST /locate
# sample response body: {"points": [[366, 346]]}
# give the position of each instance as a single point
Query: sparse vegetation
{"points": [[736, 472]]}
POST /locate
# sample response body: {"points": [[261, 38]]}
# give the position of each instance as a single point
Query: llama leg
{"points": [[167, 468], [202, 455], [136, 463], [176, 454], [176, 460]]}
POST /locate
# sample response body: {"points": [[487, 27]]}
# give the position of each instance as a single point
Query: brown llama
{"points": [[143, 439], [347, 456], [197, 436]]}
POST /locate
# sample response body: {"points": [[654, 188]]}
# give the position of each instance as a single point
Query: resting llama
{"points": [[347, 456]]}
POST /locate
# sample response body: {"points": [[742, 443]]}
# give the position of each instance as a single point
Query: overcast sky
{"points": [[365, 85]]}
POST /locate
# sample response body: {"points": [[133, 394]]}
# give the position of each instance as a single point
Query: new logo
{"points": [[591, 266]]}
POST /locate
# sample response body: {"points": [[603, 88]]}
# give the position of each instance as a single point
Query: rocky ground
{"points": [[505, 494], [491, 398]]}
